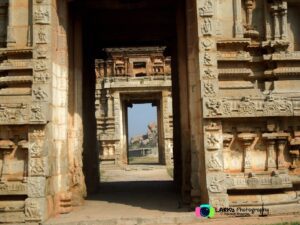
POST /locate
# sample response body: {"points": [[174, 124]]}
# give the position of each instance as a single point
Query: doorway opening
{"points": [[142, 134], [92, 53]]}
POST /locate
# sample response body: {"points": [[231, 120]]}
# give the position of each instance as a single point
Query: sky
{"points": [[139, 116]]}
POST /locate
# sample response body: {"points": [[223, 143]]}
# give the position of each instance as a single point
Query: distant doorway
{"points": [[143, 134]]}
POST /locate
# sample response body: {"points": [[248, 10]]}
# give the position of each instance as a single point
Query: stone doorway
{"points": [[85, 45], [143, 146]]}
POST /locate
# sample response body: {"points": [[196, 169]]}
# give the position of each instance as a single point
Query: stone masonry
{"points": [[235, 88]]}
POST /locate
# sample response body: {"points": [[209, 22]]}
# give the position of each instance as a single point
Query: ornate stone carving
{"points": [[247, 107], [207, 27], [214, 107], [41, 77], [207, 9], [207, 59], [248, 140], [209, 88], [37, 113], [42, 16], [36, 149], [41, 37], [215, 162], [41, 51], [36, 187], [213, 126], [39, 94], [207, 43], [13, 113], [32, 210], [273, 106], [40, 65], [209, 73], [216, 183], [37, 167], [38, 133], [259, 181], [212, 141], [13, 188], [250, 31]]}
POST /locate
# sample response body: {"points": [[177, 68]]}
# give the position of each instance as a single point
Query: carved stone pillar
{"points": [[227, 142], [247, 140], [284, 34], [250, 32], [271, 151], [280, 153], [110, 105], [276, 24], [249, 9], [5, 166], [238, 28], [10, 29], [109, 68]]}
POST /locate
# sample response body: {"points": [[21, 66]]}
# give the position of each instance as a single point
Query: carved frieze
{"points": [[15, 64], [247, 107], [283, 56], [13, 188], [12, 217], [13, 113], [259, 182], [234, 56]]}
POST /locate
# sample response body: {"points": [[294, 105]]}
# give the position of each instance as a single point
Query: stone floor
{"points": [[143, 195]]}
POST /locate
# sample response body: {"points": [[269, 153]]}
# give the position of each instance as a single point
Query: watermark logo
{"points": [[205, 210]]}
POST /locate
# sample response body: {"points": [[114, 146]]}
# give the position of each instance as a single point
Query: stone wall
{"points": [[238, 95], [249, 70]]}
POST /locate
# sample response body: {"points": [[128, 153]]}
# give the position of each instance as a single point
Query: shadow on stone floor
{"points": [[150, 195]]}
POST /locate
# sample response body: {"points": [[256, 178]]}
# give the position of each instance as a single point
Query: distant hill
{"points": [[148, 140]]}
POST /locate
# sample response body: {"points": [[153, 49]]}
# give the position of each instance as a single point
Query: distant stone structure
{"points": [[127, 76]]}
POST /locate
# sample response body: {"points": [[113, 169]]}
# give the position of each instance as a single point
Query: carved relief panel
{"points": [[13, 160]]}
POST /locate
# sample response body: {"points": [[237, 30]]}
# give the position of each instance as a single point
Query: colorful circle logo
{"points": [[205, 210]]}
